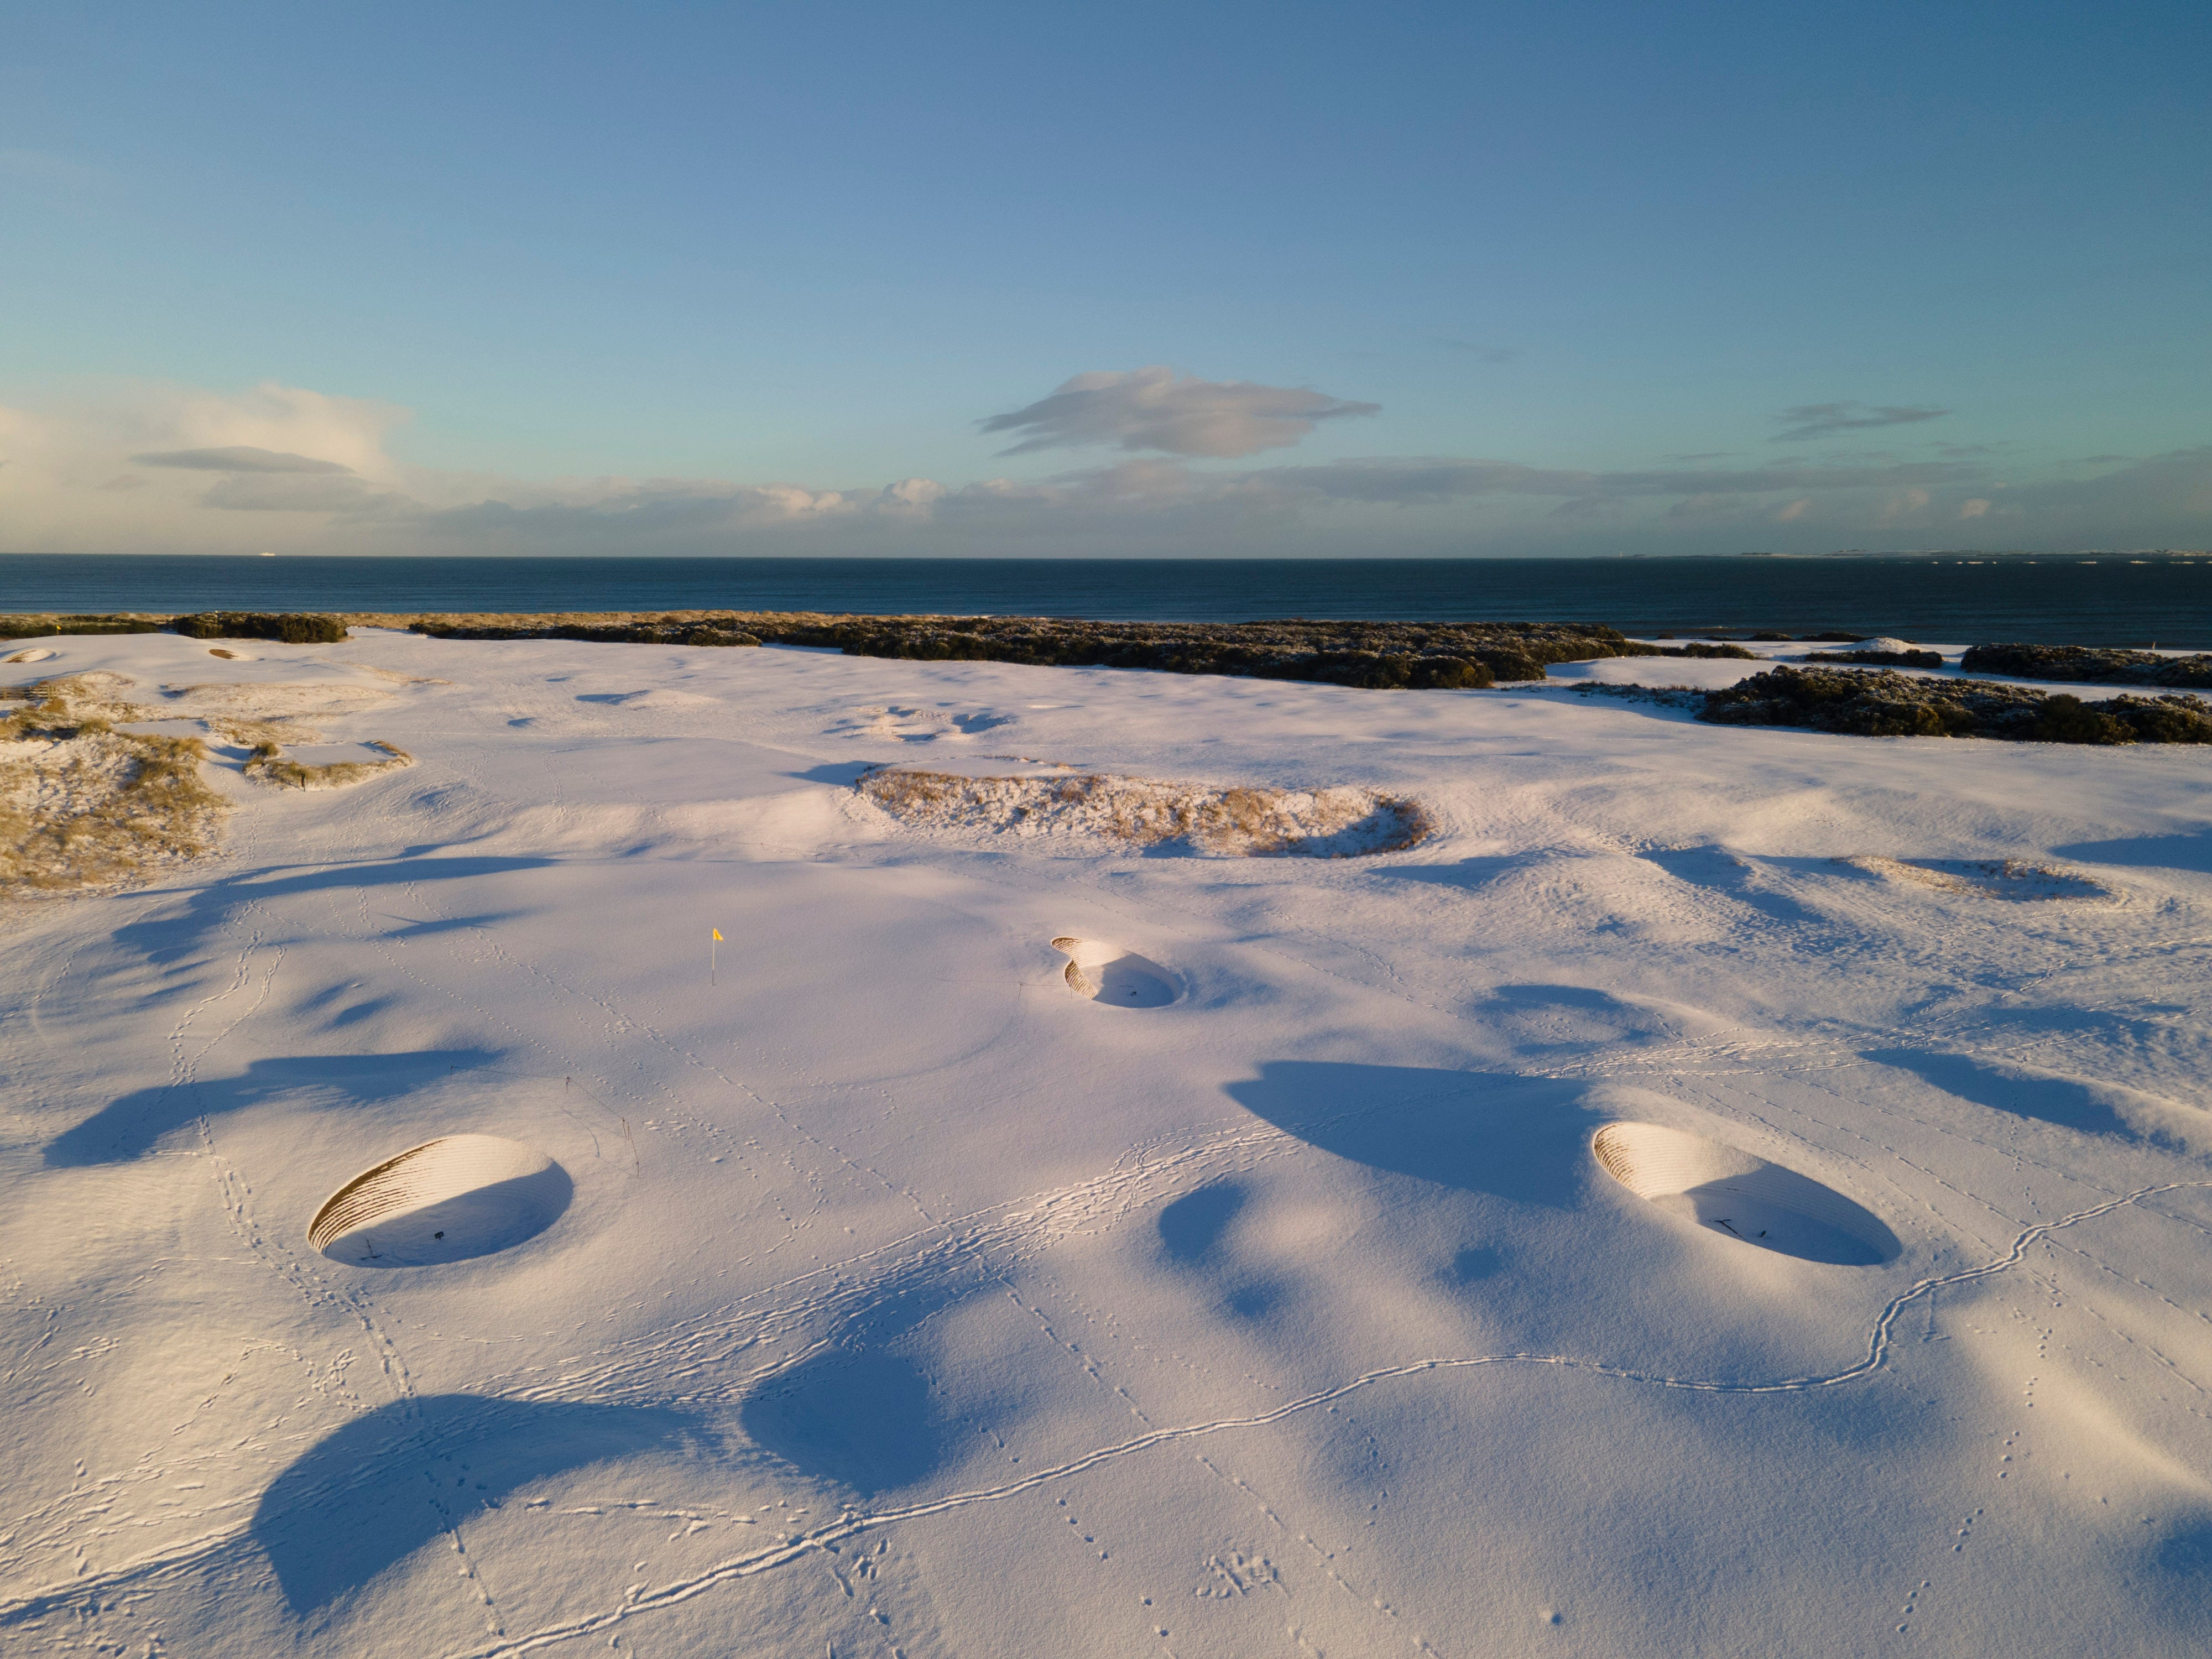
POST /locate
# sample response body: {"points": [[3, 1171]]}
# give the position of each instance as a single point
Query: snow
{"points": [[898, 1293]]}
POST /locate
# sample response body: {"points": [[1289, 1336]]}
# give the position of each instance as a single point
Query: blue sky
{"points": [[1408, 279]]}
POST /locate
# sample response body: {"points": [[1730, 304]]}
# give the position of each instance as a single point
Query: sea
{"points": [[2104, 599]]}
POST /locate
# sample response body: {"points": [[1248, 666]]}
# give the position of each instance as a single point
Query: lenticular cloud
{"points": [[1150, 409]]}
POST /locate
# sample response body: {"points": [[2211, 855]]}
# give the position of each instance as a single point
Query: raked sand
{"points": [[1253, 1289]]}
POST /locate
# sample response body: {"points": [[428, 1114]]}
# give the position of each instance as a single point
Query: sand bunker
{"points": [[1732, 1192], [445, 1200], [2003, 878], [1142, 815], [1107, 973], [39, 655]]}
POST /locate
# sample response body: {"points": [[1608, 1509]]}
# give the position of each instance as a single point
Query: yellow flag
{"points": [[717, 933]]}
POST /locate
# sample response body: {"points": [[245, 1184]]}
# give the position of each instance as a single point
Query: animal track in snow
{"points": [[1746, 1197], [1107, 973], [853, 1523], [445, 1201]]}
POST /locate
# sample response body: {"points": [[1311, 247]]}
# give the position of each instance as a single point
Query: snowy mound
{"points": [[1746, 1197], [1141, 813], [39, 654], [445, 1200], [657, 697], [917, 724], [1107, 973], [1883, 642]]}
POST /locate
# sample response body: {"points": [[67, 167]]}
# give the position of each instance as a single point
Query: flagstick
{"points": [[713, 947]]}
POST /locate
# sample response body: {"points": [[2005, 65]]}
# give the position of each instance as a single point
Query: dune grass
{"points": [[83, 806], [267, 765]]}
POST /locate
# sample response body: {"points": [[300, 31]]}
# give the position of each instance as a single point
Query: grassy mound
{"points": [[1883, 703], [1141, 813], [1881, 659], [290, 627], [38, 625], [268, 764], [2096, 664], [83, 805]]}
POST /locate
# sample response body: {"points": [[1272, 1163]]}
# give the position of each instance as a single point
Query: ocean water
{"points": [[2078, 599]]}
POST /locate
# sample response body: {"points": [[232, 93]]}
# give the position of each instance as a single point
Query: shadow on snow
{"points": [[370, 1495], [127, 1126]]}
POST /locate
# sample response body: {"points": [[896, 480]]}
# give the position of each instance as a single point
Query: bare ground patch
{"points": [[2002, 879]]}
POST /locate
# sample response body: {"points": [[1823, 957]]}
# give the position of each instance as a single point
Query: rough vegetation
{"points": [[1883, 659], [268, 764], [83, 805], [1883, 703], [2095, 664], [1364, 653], [291, 627], [1142, 814], [40, 625]]}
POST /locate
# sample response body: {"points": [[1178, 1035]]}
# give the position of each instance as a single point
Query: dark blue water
{"points": [[2115, 600]]}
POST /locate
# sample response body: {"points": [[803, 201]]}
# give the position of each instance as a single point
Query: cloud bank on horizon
{"points": [[165, 469]]}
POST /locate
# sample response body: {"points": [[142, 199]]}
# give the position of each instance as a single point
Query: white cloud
{"points": [[1150, 409], [1976, 508], [1906, 504]]}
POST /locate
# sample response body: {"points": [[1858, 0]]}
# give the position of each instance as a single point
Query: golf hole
{"points": [[1730, 1192], [445, 1201]]}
